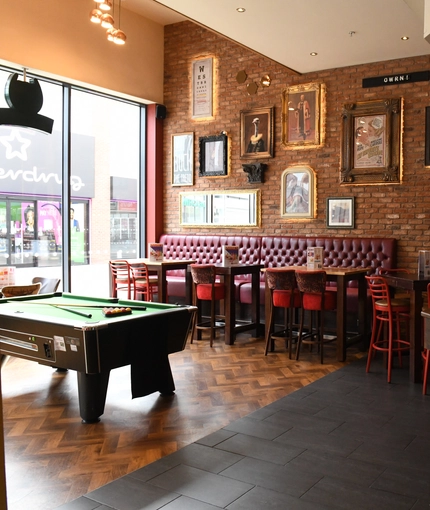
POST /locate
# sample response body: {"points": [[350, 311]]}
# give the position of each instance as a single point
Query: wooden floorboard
{"points": [[52, 458]]}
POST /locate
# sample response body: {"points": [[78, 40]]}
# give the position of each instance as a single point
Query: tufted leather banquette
{"points": [[277, 251]]}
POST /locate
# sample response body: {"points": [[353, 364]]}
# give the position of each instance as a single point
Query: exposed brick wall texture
{"points": [[401, 210]]}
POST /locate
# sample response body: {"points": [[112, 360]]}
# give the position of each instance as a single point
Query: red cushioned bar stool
{"points": [[314, 299], [206, 288], [389, 314], [426, 349], [281, 283]]}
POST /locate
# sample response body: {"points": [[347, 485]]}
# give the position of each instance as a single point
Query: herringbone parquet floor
{"points": [[52, 458]]}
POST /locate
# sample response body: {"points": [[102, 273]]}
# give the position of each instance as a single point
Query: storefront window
{"points": [[104, 177]]}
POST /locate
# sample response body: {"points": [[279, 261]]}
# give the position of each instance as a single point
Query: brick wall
{"points": [[401, 210]]}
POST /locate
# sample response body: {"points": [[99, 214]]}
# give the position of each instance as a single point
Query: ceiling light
{"points": [[404, 38], [240, 9], [107, 21], [119, 37], [106, 5], [313, 54], [110, 33], [95, 16]]}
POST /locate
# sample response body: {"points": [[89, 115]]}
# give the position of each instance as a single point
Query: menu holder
{"points": [[230, 255], [314, 258], [155, 252], [424, 263]]}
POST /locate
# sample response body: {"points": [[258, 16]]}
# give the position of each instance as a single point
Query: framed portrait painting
{"points": [[213, 156], [183, 159], [371, 142], [298, 192], [301, 116], [340, 212], [256, 133]]}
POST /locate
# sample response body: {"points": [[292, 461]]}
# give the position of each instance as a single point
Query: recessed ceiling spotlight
{"points": [[241, 9], [313, 53], [404, 38]]}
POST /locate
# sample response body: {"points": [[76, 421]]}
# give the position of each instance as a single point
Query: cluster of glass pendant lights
{"points": [[101, 16]]}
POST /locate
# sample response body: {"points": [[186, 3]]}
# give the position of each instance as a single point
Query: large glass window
{"points": [[104, 179]]}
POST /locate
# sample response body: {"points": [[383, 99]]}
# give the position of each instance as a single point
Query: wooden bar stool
{"points": [[283, 294], [314, 298], [143, 283], [206, 288], [388, 315], [122, 279]]}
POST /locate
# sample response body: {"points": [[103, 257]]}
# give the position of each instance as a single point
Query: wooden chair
{"points": [[143, 283], [206, 288], [388, 315], [122, 279], [283, 294], [10, 291], [48, 285], [314, 298]]}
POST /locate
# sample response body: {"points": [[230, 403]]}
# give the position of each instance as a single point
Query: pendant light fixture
{"points": [[119, 36], [95, 15], [106, 5], [106, 20]]}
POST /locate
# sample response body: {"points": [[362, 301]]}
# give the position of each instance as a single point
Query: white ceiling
{"points": [[342, 32]]}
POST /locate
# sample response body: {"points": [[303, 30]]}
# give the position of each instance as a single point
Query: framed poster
{"points": [[183, 159], [371, 142], [202, 88], [256, 133], [301, 116], [298, 192], [213, 157], [340, 212]]}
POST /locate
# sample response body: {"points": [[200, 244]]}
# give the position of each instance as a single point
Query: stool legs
{"points": [[426, 357]]}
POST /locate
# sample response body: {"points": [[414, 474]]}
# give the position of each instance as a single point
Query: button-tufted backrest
{"points": [[278, 251]]}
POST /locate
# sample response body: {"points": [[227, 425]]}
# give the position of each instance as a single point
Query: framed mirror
{"points": [[234, 208]]}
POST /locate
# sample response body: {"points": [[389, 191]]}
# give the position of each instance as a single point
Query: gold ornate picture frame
{"points": [[371, 146], [256, 133], [302, 116], [298, 192]]}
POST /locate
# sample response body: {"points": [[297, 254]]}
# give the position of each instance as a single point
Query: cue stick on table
{"points": [[112, 305], [82, 314]]}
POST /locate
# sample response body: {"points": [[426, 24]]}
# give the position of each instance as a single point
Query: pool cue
{"points": [[113, 305], [82, 314]]}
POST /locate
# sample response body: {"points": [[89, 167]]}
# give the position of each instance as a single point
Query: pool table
{"points": [[67, 331]]}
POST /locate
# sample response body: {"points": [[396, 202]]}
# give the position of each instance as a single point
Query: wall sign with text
{"points": [[203, 88]]}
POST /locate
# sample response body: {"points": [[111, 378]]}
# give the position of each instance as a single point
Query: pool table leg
{"points": [[92, 389]]}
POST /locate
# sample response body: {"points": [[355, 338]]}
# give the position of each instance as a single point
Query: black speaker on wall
{"points": [[160, 111]]}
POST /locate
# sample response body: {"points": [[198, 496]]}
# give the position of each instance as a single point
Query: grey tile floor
{"points": [[347, 441]]}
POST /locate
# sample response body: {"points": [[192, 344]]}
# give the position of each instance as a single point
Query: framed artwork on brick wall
{"points": [[298, 192], [427, 142], [256, 133], [302, 116], [213, 155], [183, 159], [340, 212], [202, 88], [371, 142]]}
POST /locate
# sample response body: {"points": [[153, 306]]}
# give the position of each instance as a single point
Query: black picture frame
{"points": [[340, 212], [213, 155], [427, 141]]}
